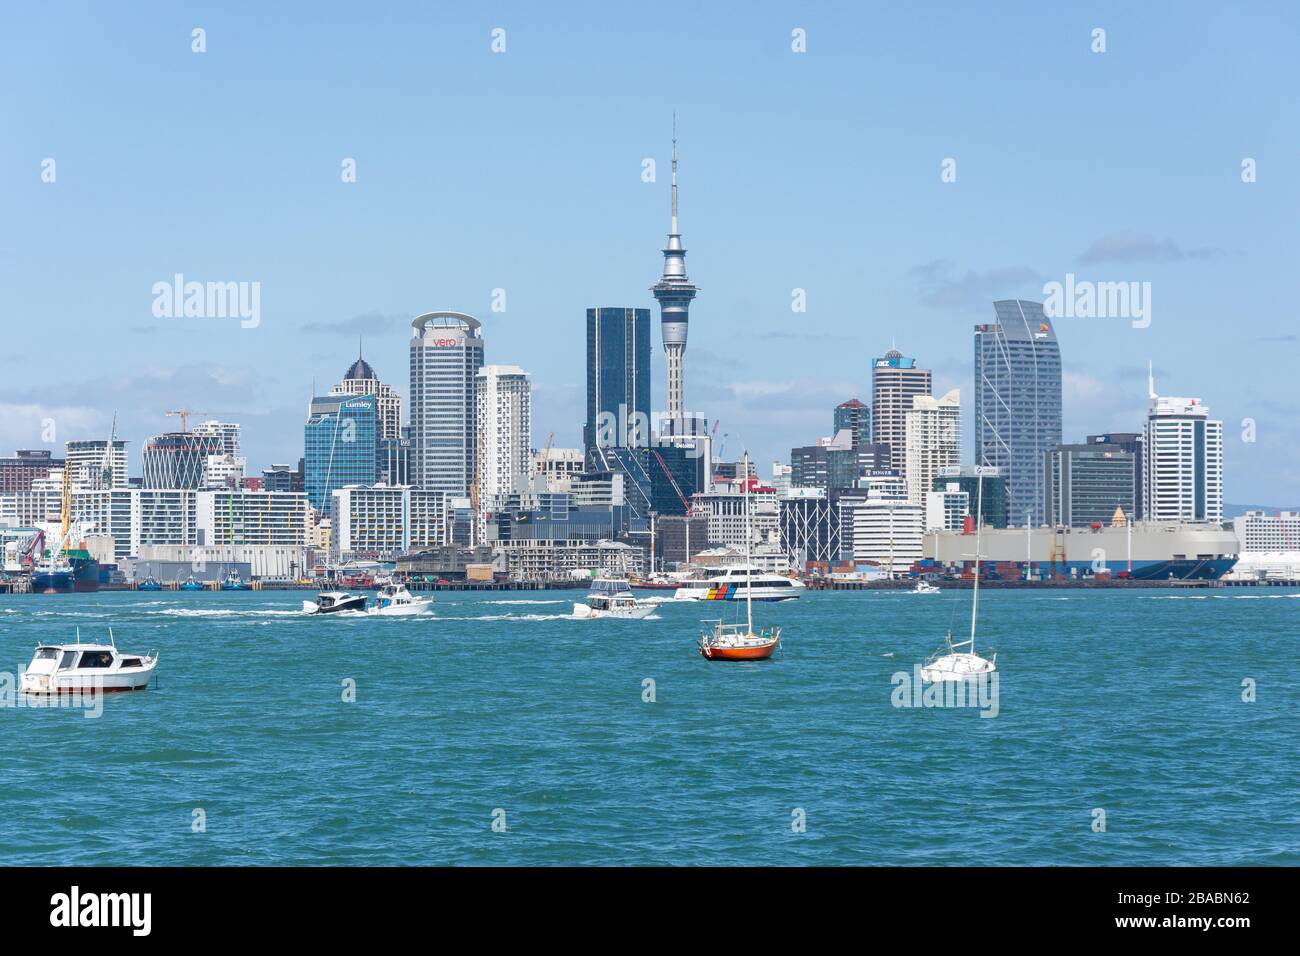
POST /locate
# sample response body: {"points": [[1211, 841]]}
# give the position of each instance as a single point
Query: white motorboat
{"points": [[395, 600], [80, 668], [925, 587], [956, 664], [334, 602], [612, 597], [738, 582]]}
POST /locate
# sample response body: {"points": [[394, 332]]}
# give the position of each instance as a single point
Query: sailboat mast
{"points": [[749, 537], [979, 521]]}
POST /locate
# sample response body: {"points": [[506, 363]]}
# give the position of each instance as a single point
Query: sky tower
{"points": [[674, 292]]}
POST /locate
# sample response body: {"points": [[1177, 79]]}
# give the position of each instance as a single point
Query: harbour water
{"points": [[501, 707]]}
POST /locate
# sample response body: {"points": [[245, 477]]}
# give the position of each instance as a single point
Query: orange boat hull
{"points": [[738, 653]]}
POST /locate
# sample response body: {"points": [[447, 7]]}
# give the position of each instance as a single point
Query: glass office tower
{"points": [[341, 443], [1018, 401], [618, 375]]}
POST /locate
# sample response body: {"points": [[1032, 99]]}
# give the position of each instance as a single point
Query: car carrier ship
{"points": [[1143, 551]]}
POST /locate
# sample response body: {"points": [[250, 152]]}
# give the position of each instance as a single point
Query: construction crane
{"points": [[545, 455], [185, 413]]}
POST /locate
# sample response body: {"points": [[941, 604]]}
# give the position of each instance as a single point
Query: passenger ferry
{"points": [[731, 584]]}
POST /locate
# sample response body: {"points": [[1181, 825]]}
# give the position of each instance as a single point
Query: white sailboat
{"points": [[740, 642], [952, 663]]}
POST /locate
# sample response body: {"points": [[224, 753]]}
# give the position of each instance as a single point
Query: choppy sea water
{"points": [[1124, 701]]}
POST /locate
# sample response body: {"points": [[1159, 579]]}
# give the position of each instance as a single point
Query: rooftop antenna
{"points": [[674, 229]]}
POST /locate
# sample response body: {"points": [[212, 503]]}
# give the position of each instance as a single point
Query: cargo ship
{"points": [[66, 571], [1143, 551], [63, 569]]}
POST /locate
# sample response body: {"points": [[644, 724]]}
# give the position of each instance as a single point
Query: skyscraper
{"points": [[340, 446], [361, 379], [674, 292], [446, 354], [856, 417], [505, 417], [895, 381], [618, 375], [933, 441], [1018, 400], [1183, 460]]}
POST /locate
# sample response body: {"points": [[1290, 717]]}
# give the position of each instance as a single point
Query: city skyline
{"points": [[917, 249]]}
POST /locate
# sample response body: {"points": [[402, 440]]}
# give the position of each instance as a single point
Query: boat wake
{"points": [[223, 612], [527, 601]]}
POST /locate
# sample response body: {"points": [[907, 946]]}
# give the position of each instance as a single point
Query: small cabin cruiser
{"points": [[334, 602], [395, 600], [611, 597], [76, 668], [737, 583], [925, 587]]}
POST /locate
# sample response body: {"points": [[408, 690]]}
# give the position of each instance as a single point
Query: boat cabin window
{"points": [[130, 662], [69, 658], [46, 653], [96, 659]]}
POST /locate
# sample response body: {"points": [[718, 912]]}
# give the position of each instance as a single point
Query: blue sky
{"points": [[522, 171]]}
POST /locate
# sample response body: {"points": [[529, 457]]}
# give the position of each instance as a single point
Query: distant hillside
{"points": [[1231, 511]]}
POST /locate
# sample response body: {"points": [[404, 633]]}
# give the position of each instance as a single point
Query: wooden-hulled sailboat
{"points": [[740, 642]]}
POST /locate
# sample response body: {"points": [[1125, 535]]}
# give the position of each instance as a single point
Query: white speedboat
{"points": [[395, 600], [952, 663], [78, 668], [924, 587], [739, 582], [612, 597], [334, 602]]}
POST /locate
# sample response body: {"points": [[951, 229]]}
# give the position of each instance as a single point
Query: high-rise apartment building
{"points": [[504, 428], [933, 441], [91, 464]]}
